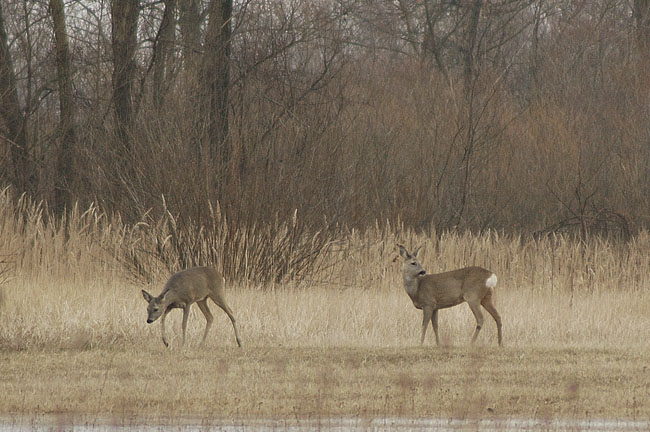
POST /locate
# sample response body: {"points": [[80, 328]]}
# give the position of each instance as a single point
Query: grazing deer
{"points": [[184, 288], [431, 292]]}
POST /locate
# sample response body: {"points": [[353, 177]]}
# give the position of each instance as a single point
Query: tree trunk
{"points": [[216, 79], [534, 48], [641, 14], [471, 48], [65, 157], [12, 117], [124, 34], [189, 23], [190, 31], [163, 50]]}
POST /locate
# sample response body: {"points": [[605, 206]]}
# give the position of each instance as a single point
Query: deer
{"points": [[432, 292], [189, 286]]}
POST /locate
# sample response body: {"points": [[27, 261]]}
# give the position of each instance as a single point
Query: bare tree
{"points": [[189, 21], [471, 49], [65, 163], [215, 79], [641, 13], [124, 41], [11, 116], [163, 53]]}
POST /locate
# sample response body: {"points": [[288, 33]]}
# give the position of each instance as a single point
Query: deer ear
{"points": [[415, 252], [147, 296], [403, 252]]}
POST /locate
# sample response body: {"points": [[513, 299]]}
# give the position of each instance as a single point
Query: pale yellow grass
{"points": [[150, 384], [59, 315], [73, 336]]}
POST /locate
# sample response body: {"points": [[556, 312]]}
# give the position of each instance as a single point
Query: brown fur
{"points": [[432, 292], [193, 285]]}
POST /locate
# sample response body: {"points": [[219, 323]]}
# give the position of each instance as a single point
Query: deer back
{"points": [[191, 285]]}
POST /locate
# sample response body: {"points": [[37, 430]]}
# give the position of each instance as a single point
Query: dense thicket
{"points": [[516, 114]]}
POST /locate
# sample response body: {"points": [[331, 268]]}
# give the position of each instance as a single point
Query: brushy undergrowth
{"points": [[89, 244], [86, 243]]}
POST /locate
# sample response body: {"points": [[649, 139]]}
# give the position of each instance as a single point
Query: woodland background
{"points": [[275, 126]]}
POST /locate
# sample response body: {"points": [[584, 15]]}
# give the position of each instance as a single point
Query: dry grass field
{"points": [[74, 338]]}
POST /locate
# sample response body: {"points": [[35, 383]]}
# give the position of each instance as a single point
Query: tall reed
{"points": [[90, 243], [75, 281]]}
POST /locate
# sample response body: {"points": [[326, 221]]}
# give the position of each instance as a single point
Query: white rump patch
{"points": [[491, 282]]}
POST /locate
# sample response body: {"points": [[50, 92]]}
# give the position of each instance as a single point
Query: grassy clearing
{"points": [[267, 382], [323, 352], [102, 315], [73, 336]]}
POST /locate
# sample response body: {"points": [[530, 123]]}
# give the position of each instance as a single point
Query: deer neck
{"points": [[168, 300], [411, 285]]}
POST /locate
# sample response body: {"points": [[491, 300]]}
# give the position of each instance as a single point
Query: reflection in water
{"points": [[83, 424]]}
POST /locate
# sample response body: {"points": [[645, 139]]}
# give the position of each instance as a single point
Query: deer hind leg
{"points": [[476, 309], [186, 314], [427, 314], [434, 324], [222, 304], [489, 306], [203, 305]]}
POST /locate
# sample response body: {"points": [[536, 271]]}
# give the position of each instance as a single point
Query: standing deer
{"points": [[431, 292], [193, 285]]}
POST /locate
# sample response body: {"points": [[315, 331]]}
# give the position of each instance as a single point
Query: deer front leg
{"points": [[427, 313], [434, 324], [162, 327]]}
